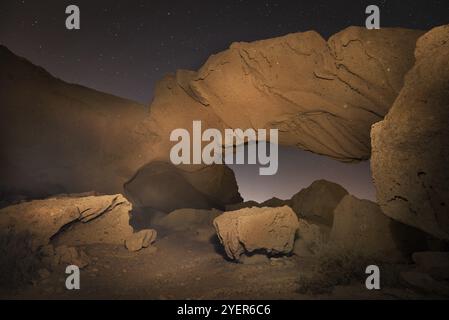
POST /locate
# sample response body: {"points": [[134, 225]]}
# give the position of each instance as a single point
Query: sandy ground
{"points": [[188, 267]]}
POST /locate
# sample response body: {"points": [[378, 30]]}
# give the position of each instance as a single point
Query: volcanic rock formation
{"points": [[411, 146]]}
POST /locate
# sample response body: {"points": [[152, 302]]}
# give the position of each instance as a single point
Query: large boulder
{"points": [[165, 187], [43, 234], [255, 230], [318, 201], [363, 229], [411, 146], [69, 219]]}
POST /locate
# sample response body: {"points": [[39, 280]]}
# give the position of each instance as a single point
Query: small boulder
{"points": [[141, 239], [268, 230], [318, 201]]}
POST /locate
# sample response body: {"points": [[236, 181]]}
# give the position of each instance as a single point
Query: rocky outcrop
{"points": [[411, 146], [318, 201], [255, 230], [43, 234], [322, 95], [165, 187], [361, 228], [58, 138], [69, 220]]}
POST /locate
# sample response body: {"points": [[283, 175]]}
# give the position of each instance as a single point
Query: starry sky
{"points": [[125, 47]]}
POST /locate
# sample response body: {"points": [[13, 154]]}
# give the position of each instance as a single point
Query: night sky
{"points": [[125, 47]]}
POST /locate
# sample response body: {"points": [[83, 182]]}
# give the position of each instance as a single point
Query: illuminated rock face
{"points": [[69, 220], [411, 146], [253, 230], [322, 95]]}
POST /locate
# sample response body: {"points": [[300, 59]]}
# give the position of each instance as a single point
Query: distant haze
{"points": [[297, 170]]}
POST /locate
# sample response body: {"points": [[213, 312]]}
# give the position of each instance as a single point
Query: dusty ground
{"points": [[184, 267]]}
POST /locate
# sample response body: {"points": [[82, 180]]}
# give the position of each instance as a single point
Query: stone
{"points": [[55, 218], [363, 229], [254, 230], [165, 187], [318, 201], [411, 145], [110, 227], [435, 264], [141, 239], [424, 283], [310, 238]]}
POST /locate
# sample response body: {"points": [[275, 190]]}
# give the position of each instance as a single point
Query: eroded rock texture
{"points": [[411, 146], [323, 96], [251, 230], [102, 219]]}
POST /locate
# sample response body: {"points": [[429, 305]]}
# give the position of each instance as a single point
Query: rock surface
{"points": [[323, 96], [141, 239], [361, 227], [251, 230], [318, 201], [96, 218], [411, 146], [310, 238], [165, 187]]}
